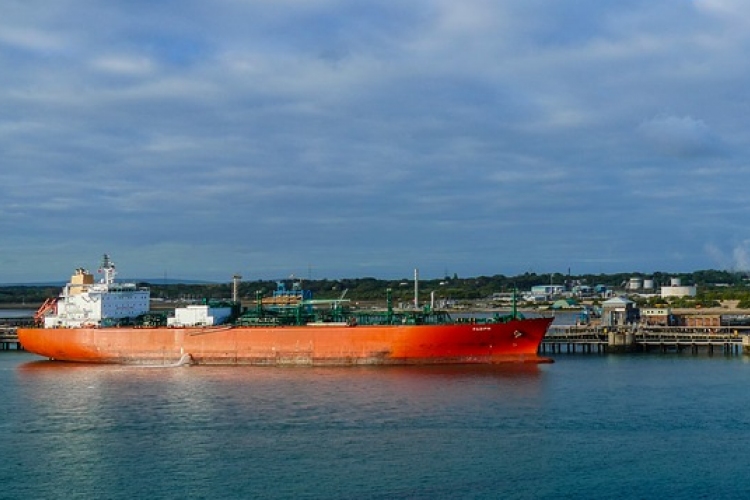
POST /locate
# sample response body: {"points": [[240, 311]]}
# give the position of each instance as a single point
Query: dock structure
{"points": [[662, 339], [8, 336], [9, 339]]}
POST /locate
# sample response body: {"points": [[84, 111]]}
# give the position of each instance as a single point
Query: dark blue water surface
{"points": [[587, 426]]}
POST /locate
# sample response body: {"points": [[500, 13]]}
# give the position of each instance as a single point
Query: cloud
{"points": [[738, 258], [124, 65], [682, 137], [732, 10], [476, 135], [30, 39]]}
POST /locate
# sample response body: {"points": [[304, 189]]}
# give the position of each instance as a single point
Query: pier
{"points": [[8, 337], [661, 339]]}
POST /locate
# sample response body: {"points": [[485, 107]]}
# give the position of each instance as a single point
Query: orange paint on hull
{"points": [[515, 341]]}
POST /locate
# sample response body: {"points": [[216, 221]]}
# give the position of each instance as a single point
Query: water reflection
{"points": [[99, 426], [97, 431], [243, 373]]}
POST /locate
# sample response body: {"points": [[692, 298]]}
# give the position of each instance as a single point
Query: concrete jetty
{"points": [[662, 339], [8, 337]]}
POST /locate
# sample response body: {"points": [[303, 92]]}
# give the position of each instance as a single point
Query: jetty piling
{"points": [[8, 336], [9, 340], [661, 339]]}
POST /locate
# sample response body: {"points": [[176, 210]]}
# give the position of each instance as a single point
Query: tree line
{"points": [[713, 285]]}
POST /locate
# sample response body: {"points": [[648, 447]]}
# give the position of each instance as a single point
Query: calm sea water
{"points": [[587, 426], [17, 313]]}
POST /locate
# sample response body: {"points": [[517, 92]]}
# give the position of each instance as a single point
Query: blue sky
{"points": [[336, 139]]}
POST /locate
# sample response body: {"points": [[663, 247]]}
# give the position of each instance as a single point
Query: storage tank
{"points": [[635, 283], [676, 282], [648, 284]]}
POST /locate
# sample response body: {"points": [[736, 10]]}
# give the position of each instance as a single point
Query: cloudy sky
{"points": [[331, 139]]}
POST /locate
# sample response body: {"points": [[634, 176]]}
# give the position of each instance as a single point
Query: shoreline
{"points": [[733, 311]]}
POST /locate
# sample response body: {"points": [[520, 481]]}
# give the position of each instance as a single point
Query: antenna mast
{"points": [[236, 287], [108, 268]]}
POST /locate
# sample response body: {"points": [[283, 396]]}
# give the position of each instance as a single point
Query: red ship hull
{"points": [[514, 341]]}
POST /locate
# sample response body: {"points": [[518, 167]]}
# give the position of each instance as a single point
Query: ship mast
{"points": [[236, 287], [416, 288], [108, 268]]}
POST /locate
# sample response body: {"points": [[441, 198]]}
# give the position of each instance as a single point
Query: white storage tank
{"points": [[635, 283]]}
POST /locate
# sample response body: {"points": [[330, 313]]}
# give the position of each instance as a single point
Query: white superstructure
{"points": [[199, 315], [85, 303]]}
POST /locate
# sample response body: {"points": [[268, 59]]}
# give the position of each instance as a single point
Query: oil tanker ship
{"points": [[111, 322]]}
